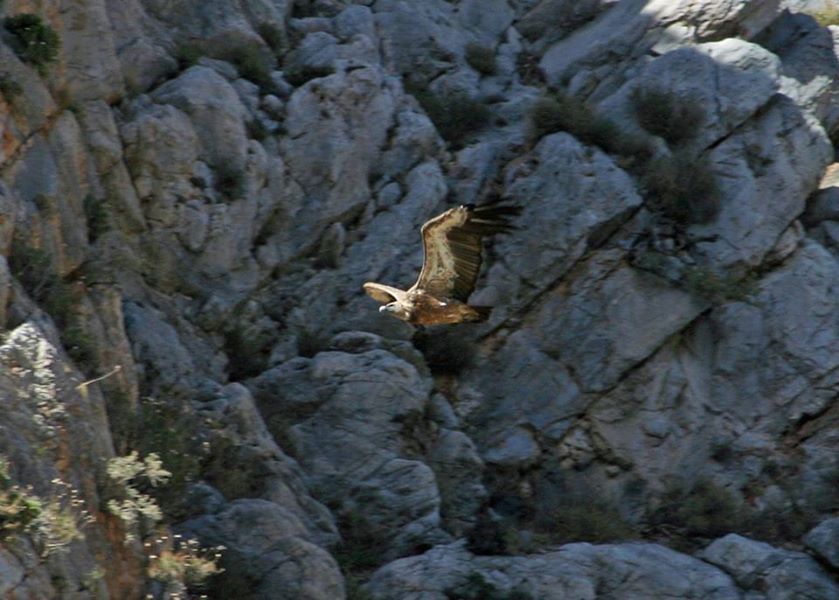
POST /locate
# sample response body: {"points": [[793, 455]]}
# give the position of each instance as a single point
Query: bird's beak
{"points": [[383, 308]]}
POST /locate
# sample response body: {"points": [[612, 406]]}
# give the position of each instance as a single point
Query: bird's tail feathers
{"points": [[481, 313]]}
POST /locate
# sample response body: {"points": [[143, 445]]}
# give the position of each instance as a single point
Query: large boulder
{"points": [[772, 571], [580, 571]]}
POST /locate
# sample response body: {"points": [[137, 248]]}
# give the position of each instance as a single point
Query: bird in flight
{"points": [[451, 244]]}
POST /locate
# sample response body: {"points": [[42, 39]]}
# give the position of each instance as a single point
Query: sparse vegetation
{"points": [[164, 429], [705, 510], [481, 58], [35, 42], [455, 114], [133, 507], [590, 521], [559, 111], [187, 54], [98, 217], [301, 75], [310, 342], [476, 587], [273, 36], [248, 348], [229, 181], [184, 561], [664, 114], [10, 88], [681, 187], [53, 523], [253, 64], [704, 282]]}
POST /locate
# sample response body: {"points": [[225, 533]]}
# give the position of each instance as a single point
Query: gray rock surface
{"points": [[267, 553], [575, 571], [771, 571], [193, 192]]}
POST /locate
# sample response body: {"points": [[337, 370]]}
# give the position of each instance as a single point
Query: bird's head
{"points": [[397, 310]]}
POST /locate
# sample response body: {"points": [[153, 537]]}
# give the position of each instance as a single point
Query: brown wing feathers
{"points": [[464, 243]]}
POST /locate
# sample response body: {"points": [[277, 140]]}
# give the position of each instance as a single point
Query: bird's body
{"points": [[452, 261]]}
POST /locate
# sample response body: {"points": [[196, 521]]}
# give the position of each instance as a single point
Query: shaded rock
{"points": [[245, 462], [774, 572], [267, 552], [573, 571], [810, 65], [824, 540], [458, 470], [54, 436], [822, 206], [550, 20], [347, 418]]}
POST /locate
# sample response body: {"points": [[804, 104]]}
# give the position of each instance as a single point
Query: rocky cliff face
{"points": [[194, 191]]}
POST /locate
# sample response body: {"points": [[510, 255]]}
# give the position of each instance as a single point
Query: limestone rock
{"points": [[573, 571], [54, 436], [822, 540], [631, 29], [774, 572], [346, 417], [781, 149], [245, 461], [729, 80], [637, 313], [564, 212], [217, 115], [267, 552]]}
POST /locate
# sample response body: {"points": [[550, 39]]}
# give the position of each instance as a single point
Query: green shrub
{"points": [[248, 348], [98, 218], [188, 53], [51, 523], [229, 181], [360, 543], [681, 187], [455, 114], [481, 58], [706, 510], [253, 65], [272, 35], [589, 521], [476, 587], [165, 429], [559, 112], [300, 75], [704, 282], [10, 88], [185, 562], [132, 506], [665, 115], [35, 42]]}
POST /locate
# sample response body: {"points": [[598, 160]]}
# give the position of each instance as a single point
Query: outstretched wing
{"points": [[452, 245], [383, 293]]}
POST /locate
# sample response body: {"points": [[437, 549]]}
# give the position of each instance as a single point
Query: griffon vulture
{"points": [[452, 260]]}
